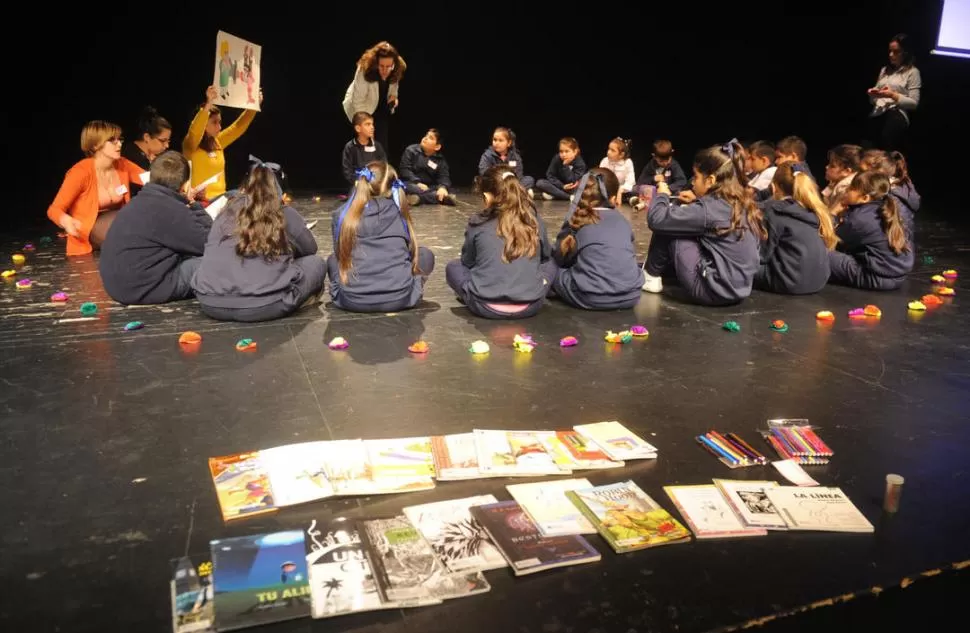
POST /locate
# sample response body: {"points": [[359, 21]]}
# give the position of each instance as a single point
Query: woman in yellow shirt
{"points": [[205, 142]]}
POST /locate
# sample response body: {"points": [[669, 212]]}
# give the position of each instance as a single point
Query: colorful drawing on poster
{"points": [[237, 74]]}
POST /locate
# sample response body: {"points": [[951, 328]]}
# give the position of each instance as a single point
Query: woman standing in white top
{"points": [[374, 89], [618, 161], [895, 96]]}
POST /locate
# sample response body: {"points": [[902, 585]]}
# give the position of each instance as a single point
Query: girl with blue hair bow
{"points": [[377, 265]]}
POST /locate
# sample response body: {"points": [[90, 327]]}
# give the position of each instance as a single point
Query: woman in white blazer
{"points": [[374, 89]]}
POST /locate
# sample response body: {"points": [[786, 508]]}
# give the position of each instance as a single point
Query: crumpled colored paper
{"points": [[857, 313], [8, 273], [779, 326], [931, 300], [338, 342], [18, 259], [134, 325], [919, 306], [731, 326], [59, 297], [824, 315], [938, 279], [23, 284], [946, 292], [245, 344], [949, 274], [44, 241], [29, 247], [419, 347], [190, 338], [618, 337], [523, 343], [639, 331], [479, 347], [568, 341], [872, 311], [88, 308]]}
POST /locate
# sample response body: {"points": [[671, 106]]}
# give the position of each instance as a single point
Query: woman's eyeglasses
{"points": [[116, 139]]}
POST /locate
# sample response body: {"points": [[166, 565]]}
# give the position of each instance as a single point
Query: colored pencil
{"points": [[824, 449], [758, 457], [718, 439], [716, 448]]}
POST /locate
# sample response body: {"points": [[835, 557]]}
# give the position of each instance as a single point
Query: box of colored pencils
{"points": [[731, 450], [797, 441]]}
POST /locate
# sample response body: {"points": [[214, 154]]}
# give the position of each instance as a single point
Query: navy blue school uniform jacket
{"points": [[765, 194], [357, 156], [490, 158], [518, 281], [148, 240], [729, 262], [559, 174], [907, 198], [227, 280], [604, 261], [794, 259], [862, 237], [673, 173], [381, 260], [417, 167]]}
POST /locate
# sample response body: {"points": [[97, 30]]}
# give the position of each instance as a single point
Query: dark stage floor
{"points": [[106, 435]]}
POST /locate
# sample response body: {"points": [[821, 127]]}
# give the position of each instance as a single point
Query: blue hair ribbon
{"points": [[728, 148], [578, 192], [273, 167], [396, 188], [365, 173]]}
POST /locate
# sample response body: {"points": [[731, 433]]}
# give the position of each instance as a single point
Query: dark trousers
{"points": [[458, 278], [342, 301], [527, 182], [847, 271], [683, 257], [309, 285], [553, 190], [566, 290], [889, 130], [427, 197], [183, 279]]}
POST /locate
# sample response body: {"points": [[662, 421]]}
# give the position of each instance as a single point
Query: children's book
{"points": [[708, 513], [749, 500], [402, 561], [350, 472], [627, 517], [192, 599], [526, 549], [242, 485], [825, 509], [297, 472], [617, 441], [546, 504], [259, 579], [340, 577], [584, 454], [456, 457], [401, 457], [459, 541], [514, 453]]}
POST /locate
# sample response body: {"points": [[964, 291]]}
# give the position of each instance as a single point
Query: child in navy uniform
{"points": [[794, 149], [361, 149], [876, 251], [425, 172], [710, 243], [595, 251], [795, 257], [894, 166], [564, 172], [154, 246], [504, 152], [663, 167], [842, 167], [759, 165], [505, 270], [377, 265], [260, 260]]}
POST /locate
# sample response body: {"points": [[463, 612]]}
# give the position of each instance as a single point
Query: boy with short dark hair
{"points": [[425, 172]]}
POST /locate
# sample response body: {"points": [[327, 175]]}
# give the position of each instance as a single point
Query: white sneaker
{"points": [[532, 195], [546, 196], [651, 283]]}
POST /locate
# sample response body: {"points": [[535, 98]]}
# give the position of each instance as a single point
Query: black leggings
{"points": [[888, 131]]}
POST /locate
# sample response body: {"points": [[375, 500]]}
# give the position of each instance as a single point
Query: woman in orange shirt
{"points": [[94, 189]]}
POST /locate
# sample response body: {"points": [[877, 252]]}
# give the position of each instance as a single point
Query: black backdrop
{"points": [[639, 70]]}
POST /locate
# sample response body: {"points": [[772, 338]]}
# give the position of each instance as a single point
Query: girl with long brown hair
{"points": [[876, 250], [711, 242], [595, 249], [377, 265], [260, 259], [794, 258], [505, 268]]}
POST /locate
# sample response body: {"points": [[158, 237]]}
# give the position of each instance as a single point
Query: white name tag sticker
{"points": [[212, 154], [513, 163], [121, 190], [144, 177], [432, 164], [370, 148]]}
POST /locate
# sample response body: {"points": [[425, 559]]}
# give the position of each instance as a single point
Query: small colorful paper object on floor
{"points": [[731, 326], [946, 292], [59, 297], [523, 343], [479, 347], [918, 306], [24, 283], [134, 325], [824, 315], [872, 311], [419, 347], [948, 274], [44, 241], [639, 331], [29, 247], [245, 345], [938, 279], [190, 338], [568, 341], [88, 308], [857, 313], [779, 326], [338, 342], [931, 300], [237, 74], [8, 273], [18, 259]]}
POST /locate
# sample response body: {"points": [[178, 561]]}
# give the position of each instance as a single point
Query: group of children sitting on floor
{"points": [[750, 218]]}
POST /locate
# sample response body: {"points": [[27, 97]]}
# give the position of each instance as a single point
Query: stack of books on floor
{"points": [[438, 551], [263, 481]]}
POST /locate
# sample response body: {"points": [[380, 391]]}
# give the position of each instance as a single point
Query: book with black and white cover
{"points": [[750, 502], [460, 541]]}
